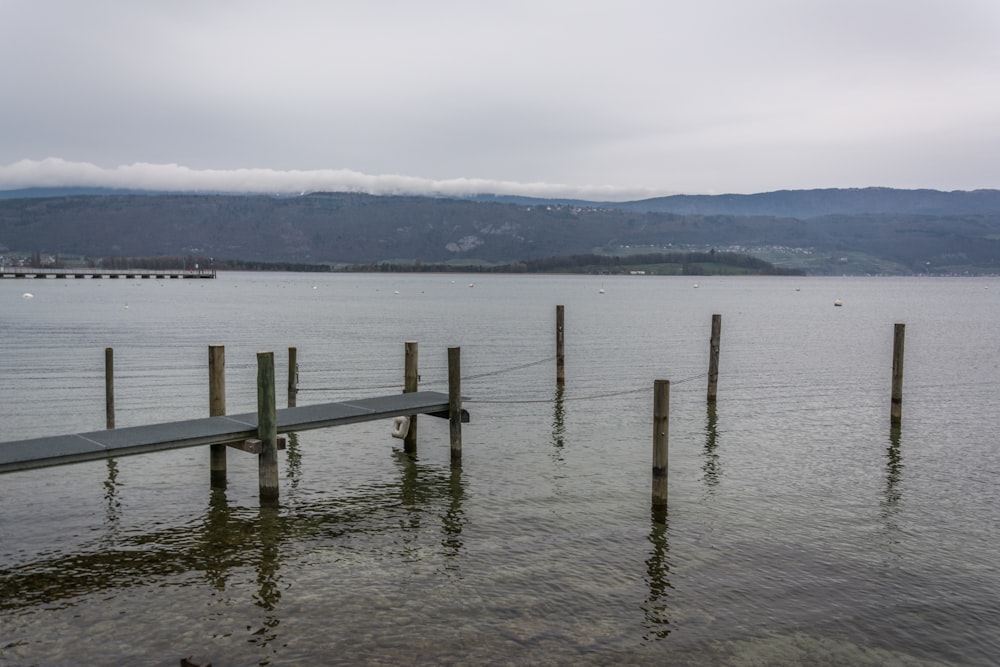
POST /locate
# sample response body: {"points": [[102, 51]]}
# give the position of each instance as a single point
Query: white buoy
{"points": [[838, 302], [600, 291], [27, 295], [400, 427], [695, 286]]}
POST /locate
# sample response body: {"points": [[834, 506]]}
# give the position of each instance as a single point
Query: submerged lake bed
{"points": [[801, 529]]}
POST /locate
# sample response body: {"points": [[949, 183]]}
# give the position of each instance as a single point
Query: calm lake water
{"points": [[800, 530]]}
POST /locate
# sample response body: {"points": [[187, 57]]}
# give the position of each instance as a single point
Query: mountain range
{"points": [[828, 231]]}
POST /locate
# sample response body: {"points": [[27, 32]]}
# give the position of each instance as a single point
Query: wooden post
{"points": [[411, 380], [896, 413], [560, 346], [661, 436], [455, 402], [217, 408], [267, 428], [109, 387], [713, 358], [293, 376]]}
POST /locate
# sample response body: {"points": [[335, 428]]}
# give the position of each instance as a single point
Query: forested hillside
{"points": [[349, 228]]}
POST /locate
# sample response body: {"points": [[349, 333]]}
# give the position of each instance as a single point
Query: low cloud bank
{"points": [[56, 172]]}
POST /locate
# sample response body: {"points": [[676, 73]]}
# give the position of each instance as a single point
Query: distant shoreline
{"points": [[710, 263]]}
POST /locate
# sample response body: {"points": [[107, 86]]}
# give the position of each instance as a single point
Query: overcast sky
{"points": [[601, 99]]}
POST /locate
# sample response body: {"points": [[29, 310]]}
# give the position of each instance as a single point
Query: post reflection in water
{"points": [[409, 491], [655, 608], [227, 542], [419, 485], [268, 596], [893, 474], [293, 458], [711, 467], [453, 519], [558, 419], [112, 512], [217, 543]]}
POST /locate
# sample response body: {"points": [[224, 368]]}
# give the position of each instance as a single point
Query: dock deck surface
{"points": [[62, 449]]}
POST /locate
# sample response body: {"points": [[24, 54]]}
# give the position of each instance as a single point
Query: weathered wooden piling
{"points": [[217, 408], [713, 358], [896, 412], [661, 436], [267, 428], [293, 376], [455, 402], [560, 346], [411, 381], [109, 387]]}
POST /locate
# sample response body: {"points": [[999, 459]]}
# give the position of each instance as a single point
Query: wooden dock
{"points": [[113, 443], [80, 273]]}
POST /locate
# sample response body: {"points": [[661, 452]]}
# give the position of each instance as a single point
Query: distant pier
{"points": [[31, 272]]}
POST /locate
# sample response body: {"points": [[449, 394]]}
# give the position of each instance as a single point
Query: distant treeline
{"points": [[153, 263], [296, 267], [692, 263], [689, 263], [192, 261]]}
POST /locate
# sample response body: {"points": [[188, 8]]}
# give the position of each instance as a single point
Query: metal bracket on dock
{"points": [[443, 414], [189, 662], [253, 445]]}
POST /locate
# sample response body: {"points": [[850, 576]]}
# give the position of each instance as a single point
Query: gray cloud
{"points": [[55, 172]]}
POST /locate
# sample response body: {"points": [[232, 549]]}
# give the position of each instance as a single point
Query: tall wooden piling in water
{"points": [[411, 380], [896, 412], [560, 346], [217, 408], [293, 376], [455, 402], [661, 436], [267, 428], [109, 387], [713, 358]]}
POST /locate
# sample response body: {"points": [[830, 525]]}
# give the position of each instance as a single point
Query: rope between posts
{"points": [[478, 376], [690, 379], [581, 398], [397, 385], [553, 400], [507, 370], [384, 386]]}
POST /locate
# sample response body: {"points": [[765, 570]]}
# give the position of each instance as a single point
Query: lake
{"points": [[801, 529]]}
